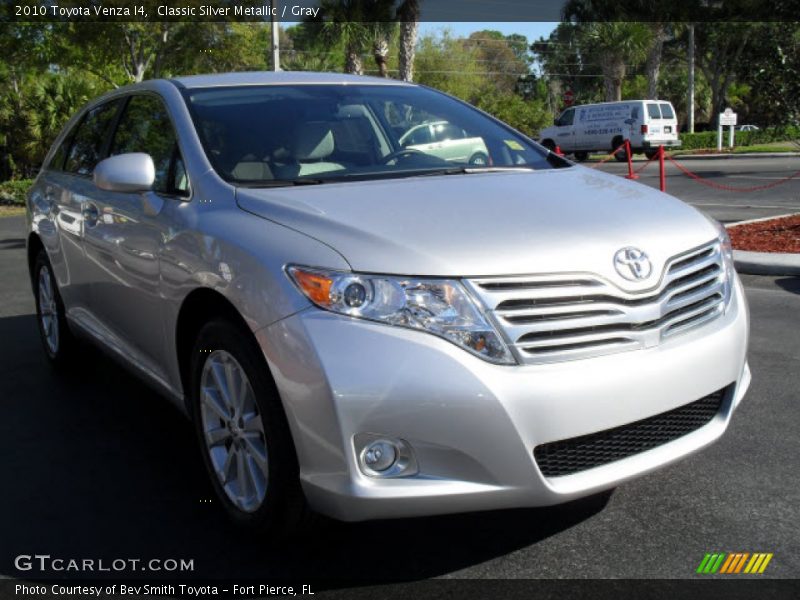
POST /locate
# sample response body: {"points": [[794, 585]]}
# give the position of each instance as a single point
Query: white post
{"points": [[730, 137], [690, 99], [719, 137], [276, 51]]}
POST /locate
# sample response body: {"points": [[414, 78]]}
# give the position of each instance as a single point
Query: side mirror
{"points": [[132, 172]]}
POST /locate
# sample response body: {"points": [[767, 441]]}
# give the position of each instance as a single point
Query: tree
{"points": [[616, 45], [503, 60], [720, 47], [355, 24], [408, 14]]}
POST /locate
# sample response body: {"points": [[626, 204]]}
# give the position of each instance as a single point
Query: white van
{"points": [[603, 127]]}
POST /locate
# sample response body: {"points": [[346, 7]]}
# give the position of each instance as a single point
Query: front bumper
{"points": [[473, 425]]}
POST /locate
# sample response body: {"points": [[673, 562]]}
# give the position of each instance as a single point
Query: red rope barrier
{"points": [[610, 156], [729, 188]]}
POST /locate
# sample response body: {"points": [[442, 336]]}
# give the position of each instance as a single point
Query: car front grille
{"points": [[566, 457], [549, 318]]}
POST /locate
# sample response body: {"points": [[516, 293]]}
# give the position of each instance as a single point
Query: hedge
{"points": [[13, 192], [708, 139]]}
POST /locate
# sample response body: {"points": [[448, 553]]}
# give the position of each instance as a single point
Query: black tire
{"points": [[581, 156], [651, 154], [479, 159], [61, 352], [550, 145], [621, 155], [284, 510]]}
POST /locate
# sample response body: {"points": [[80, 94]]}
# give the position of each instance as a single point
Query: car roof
{"points": [[279, 78]]}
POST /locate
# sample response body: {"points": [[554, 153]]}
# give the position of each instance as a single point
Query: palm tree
{"points": [[408, 14], [354, 23], [616, 45]]}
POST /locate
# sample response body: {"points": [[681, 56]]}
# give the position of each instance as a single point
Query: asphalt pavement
{"points": [[95, 464], [738, 172]]}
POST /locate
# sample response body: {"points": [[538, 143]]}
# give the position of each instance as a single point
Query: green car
{"points": [[445, 140]]}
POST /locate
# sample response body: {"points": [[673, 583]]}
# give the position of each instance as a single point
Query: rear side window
{"points": [[87, 145], [635, 113], [145, 127], [666, 111], [653, 112]]}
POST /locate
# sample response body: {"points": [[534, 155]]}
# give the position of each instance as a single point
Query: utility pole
{"points": [[276, 51], [690, 99]]}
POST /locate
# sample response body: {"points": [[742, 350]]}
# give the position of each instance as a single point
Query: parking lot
{"points": [[95, 464]]}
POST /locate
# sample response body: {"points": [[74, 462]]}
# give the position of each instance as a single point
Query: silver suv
{"points": [[370, 330]]}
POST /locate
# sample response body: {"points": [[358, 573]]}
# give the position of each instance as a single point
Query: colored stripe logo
{"points": [[731, 563]]}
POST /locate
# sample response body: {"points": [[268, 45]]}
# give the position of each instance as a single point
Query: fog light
{"points": [[384, 456], [380, 456]]}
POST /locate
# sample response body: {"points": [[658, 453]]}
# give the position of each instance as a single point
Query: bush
{"points": [[13, 192], [708, 139]]}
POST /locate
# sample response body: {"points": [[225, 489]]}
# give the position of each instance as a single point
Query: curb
{"points": [[734, 156], [766, 263]]}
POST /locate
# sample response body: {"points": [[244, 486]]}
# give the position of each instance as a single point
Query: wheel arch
{"points": [[35, 246], [199, 307]]}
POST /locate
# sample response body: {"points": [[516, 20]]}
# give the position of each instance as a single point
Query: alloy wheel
{"points": [[233, 431], [48, 310]]}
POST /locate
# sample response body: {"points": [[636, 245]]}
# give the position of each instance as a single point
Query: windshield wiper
{"points": [[269, 183], [473, 170]]}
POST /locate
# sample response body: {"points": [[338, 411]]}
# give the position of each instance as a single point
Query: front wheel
{"points": [[581, 156], [57, 339], [479, 159], [243, 433]]}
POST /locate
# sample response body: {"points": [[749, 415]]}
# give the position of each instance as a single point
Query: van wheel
{"points": [[57, 339], [479, 159], [550, 145], [621, 155], [243, 433], [581, 156], [651, 154]]}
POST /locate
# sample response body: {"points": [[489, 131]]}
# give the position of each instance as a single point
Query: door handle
{"points": [[89, 214]]}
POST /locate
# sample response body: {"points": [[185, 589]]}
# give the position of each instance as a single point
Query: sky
{"points": [[531, 29]]}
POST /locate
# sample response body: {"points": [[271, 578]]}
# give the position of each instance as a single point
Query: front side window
{"points": [[145, 126], [87, 145], [282, 134], [567, 117]]}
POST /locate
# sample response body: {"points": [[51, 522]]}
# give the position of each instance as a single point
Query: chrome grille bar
{"points": [[554, 317]]}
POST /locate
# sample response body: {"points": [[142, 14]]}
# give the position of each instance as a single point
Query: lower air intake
{"points": [[566, 457]]}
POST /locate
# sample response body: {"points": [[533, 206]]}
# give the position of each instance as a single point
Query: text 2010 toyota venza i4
{"points": [[369, 329]]}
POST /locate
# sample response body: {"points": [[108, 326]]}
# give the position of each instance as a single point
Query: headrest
{"points": [[313, 141]]}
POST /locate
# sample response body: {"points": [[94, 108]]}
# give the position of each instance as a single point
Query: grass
{"points": [[756, 148], [11, 211]]}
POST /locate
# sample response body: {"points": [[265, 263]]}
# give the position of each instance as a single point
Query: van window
{"points": [[666, 111], [635, 113], [566, 117], [653, 112]]}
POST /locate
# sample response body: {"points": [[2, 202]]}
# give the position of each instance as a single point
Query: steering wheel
{"points": [[399, 154]]}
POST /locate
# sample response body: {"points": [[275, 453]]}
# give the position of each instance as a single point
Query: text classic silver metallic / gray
{"points": [[367, 328]]}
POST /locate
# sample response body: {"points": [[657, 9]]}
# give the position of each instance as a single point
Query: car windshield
{"points": [[293, 134]]}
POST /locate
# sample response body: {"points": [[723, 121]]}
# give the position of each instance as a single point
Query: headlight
{"points": [[726, 249], [439, 306]]}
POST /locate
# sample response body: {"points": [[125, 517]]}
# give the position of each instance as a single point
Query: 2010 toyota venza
{"points": [[368, 318]]}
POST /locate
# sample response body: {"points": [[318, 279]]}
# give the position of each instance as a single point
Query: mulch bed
{"points": [[775, 235]]}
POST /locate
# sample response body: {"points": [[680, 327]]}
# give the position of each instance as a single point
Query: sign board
{"points": [[569, 97], [728, 117]]}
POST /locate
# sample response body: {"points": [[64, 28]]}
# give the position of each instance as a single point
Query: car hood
{"points": [[483, 224]]}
